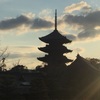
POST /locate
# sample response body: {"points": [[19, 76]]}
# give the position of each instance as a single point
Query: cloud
{"points": [[45, 13], [14, 22], [77, 6], [27, 59], [24, 52], [22, 46], [88, 25], [16, 55], [88, 34], [84, 26], [90, 20], [72, 37], [39, 23], [27, 55], [25, 21], [78, 50]]}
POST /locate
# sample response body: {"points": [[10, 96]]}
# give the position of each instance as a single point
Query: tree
{"points": [[3, 56], [95, 62], [19, 68], [8, 86]]}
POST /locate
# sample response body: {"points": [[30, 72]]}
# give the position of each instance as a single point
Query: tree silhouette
{"points": [[95, 62], [19, 69], [3, 56], [8, 87]]}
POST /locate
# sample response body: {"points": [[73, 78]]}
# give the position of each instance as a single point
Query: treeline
{"points": [[20, 83]]}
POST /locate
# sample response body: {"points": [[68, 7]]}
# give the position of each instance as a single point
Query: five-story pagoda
{"points": [[55, 49]]}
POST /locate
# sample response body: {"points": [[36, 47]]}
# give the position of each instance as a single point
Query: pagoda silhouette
{"points": [[55, 49]]}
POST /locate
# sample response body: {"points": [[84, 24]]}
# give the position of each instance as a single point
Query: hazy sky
{"points": [[22, 22]]}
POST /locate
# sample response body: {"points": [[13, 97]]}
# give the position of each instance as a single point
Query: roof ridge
{"points": [[87, 62]]}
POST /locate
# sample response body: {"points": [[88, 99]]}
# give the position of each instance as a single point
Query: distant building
{"points": [[73, 82], [82, 80], [55, 49], [55, 62]]}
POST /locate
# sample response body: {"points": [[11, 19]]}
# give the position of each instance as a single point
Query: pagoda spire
{"points": [[55, 49], [55, 19]]}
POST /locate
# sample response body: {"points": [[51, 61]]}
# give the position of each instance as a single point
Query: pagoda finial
{"points": [[55, 19]]}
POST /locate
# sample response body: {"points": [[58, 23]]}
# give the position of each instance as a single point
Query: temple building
{"points": [[55, 49]]}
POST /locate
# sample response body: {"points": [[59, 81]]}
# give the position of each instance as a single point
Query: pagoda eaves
{"points": [[60, 49], [55, 36], [48, 59], [55, 48]]}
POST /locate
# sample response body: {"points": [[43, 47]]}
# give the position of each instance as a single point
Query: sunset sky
{"points": [[22, 22]]}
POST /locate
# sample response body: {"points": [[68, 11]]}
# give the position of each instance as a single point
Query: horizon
{"points": [[20, 28]]}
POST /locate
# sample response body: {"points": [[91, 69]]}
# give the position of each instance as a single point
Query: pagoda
{"points": [[55, 49]]}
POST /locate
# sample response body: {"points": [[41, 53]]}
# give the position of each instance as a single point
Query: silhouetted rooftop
{"points": [[53, 49], [82, 65], [53, 37], [48, 58]]}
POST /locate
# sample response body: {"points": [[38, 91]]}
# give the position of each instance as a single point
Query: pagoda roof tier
{"points": [[48, 59], [50, 49], [55, 36]]}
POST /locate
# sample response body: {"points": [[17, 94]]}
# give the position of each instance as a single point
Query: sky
{"points": [[22, 22]]}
